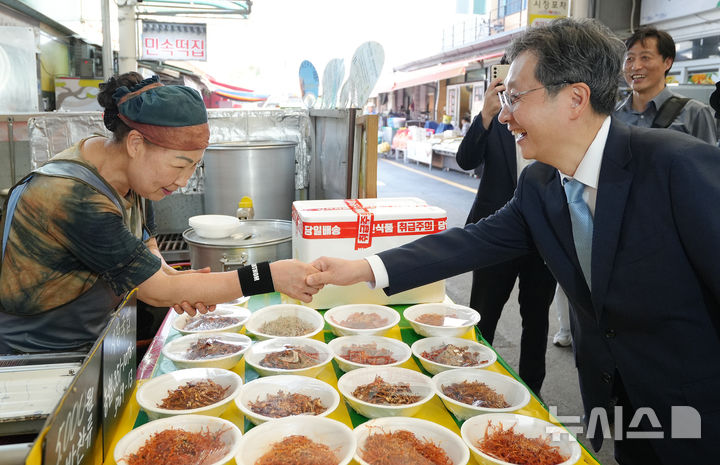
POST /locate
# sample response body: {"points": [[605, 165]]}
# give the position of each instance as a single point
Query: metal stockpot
{"points": [[262, 170], [255, 241]]}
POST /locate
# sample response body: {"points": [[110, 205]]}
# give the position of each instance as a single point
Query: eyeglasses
{"points": [[510, 100]]}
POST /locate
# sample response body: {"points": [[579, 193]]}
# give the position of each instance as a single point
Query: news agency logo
{"points": [[684, 424]]}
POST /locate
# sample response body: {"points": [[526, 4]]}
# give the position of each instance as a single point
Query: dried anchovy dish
{"points": [[476, 394], [298, 450], [180, 447], [291, 326], [367, 354], [509, 446], [290, 358], [194, 394], [450, 354], [210, 347], [381, 392], [211, 322], [284, 404], [400, 448], [359, 320]]}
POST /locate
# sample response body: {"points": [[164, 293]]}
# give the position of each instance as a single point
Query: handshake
{"points": [[303, 280]]}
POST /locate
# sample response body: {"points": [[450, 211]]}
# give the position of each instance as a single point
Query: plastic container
{"points": [[245, 209]]}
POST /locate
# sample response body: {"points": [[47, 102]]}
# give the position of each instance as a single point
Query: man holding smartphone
{"points": [[488, 143]]}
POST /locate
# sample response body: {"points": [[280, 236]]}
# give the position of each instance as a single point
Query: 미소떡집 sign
{"points": [[174, 41]]}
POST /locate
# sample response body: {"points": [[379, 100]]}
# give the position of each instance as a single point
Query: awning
{"points": [[436, 73], [431, 74]]}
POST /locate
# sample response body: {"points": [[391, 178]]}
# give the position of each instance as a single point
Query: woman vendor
{"points": [[77, 233]]}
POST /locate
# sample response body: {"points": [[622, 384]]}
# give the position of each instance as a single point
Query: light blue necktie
{"points": [[582, 224]]}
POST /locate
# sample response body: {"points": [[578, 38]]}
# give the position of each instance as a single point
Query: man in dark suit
{"points": [[490, 144], [637, 253]]}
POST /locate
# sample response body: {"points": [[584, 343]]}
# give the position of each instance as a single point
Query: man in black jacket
{"points": [[490, 144]]}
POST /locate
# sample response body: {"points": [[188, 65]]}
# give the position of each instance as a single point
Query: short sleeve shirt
{"points": [[64, 236]]}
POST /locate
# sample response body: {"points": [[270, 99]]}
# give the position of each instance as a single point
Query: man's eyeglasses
{"points": [[510, 100]]}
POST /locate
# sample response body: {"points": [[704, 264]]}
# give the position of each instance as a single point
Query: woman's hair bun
{"points": [[105, 97]]}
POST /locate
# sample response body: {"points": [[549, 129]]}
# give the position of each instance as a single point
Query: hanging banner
{"points": [[174, 41], [543, 11]]}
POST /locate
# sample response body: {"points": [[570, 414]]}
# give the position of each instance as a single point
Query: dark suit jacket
{"points": [[653, 316], [495, 149]]}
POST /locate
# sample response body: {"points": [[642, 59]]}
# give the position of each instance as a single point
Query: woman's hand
{"points": [[289, 278], [187, 307]]}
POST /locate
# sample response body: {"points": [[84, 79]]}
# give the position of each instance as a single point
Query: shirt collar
{"points": [[588, 171], [658, 100]]}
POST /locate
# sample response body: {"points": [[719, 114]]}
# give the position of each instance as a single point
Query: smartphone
{"points": [[499, 71]]}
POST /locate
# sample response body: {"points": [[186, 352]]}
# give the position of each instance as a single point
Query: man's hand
{"points": [[491, 103], [290, 278], [184, 306], [340, 272]]}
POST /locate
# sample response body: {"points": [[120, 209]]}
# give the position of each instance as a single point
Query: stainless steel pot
{"points": [[255, 241], [262, 170]]}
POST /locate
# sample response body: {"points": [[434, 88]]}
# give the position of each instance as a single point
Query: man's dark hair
{"points": [[575, 50], [665, 42]]}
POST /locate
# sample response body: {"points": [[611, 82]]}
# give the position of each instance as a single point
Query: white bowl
{"points": [[177, 350], [456, 322], [214, 226], [442, 437], [473, 430], [258, 441], [515, 393], [292, 384], [135, 439], [272, 312], [486, 356], [151, 393], [241, 314], [398, 349], [336, 315], [420, 385], [259, 350]]}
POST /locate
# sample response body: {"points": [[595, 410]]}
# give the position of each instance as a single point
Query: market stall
{"points": [[156, 364]]}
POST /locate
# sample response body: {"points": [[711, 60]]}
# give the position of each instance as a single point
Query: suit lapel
{"points": [[613, 188], [559, 216]]}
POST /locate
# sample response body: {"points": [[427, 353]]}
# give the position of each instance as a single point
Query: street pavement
{"points": [[454, 191]]}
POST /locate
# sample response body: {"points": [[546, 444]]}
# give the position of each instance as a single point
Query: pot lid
{"points": [[249, 233], [252, 144]]}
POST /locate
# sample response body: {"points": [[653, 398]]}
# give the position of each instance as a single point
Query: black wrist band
{"points": [[256, 279]]}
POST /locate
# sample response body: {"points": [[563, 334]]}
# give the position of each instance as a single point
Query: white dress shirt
{"points": [[587, 172]]}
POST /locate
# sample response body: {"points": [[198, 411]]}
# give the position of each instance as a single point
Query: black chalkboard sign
{"points": [[118, 367], [70, 439]]}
